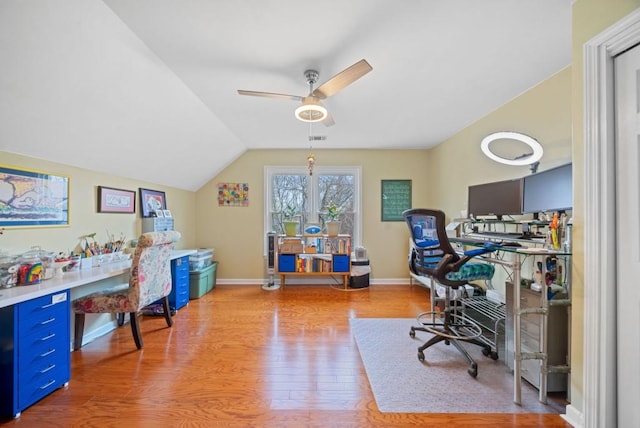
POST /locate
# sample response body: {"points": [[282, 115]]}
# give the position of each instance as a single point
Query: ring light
{"points": [[520, 160]]}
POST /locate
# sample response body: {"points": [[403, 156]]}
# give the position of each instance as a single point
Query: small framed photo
{"points": [[112, 200], [158, 213], [167, 213], [151, 201]]}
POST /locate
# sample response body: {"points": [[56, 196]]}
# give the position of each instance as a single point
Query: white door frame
{"points": [[599, 405]]}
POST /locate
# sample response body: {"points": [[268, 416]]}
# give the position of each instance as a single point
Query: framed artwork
{"points": [[167, 213], [152, 201], [112, 200], [395, 196], [33, 198], [233, 194]]}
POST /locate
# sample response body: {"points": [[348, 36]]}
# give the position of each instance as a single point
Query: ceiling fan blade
{"points": [[328, 121], [270, 95], [343, 79]]}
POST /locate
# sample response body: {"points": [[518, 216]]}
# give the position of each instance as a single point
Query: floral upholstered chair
{"points": [[150, 280]]}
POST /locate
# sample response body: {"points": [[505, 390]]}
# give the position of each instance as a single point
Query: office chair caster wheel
{"points": [[421, 356], [473, 370], [487, 352], [412, 333]]}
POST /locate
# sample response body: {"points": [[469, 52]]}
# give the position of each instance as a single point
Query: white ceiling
{"points": [[147, 88]]}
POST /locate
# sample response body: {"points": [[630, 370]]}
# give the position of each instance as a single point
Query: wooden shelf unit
{"points": [[314, 255]]}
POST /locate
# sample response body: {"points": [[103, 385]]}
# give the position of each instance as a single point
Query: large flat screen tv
{"points": [[548, 191], [498, 198]]}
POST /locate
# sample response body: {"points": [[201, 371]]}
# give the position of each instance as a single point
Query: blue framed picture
{"points": [[31, 198]]}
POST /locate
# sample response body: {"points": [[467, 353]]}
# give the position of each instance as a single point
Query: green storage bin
{"points": [[202, 281]]}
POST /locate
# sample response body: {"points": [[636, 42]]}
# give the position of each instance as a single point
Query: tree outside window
{"points": [[311, 195]]}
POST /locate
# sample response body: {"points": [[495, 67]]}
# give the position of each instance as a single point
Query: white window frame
{"points": [[356, 171]]}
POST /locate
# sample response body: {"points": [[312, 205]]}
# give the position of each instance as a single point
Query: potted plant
{"points": [[288, 220], [333, 224]]}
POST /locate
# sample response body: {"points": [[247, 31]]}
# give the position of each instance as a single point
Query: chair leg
{"points": [[120, 319], [135, 329], [167, 311], [78, 331], [444, 332]]}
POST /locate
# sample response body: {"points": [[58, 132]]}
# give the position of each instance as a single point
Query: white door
{"points": [[627, 93]]}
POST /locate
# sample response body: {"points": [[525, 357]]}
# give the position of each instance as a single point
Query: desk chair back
{"points": [[431, 252], [151, 268]]}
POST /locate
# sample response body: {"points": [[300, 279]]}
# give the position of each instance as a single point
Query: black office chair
{"points": [[433, 256]]}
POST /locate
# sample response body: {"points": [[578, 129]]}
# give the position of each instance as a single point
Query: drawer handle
{"points": [[49, 352], [48, 337], [47, 306], [51, 382], [52, 366], [48, 321]]}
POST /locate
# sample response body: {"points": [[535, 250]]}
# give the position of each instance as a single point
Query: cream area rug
{"points": [[440, 384]]}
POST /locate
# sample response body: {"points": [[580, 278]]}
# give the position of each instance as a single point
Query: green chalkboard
{"points": [[395, 197]]}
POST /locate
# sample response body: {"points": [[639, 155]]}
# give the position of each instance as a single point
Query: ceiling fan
{"points": [[311, 108]]}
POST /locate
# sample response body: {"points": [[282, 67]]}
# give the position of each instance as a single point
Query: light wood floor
{"points": [[243, 357]]}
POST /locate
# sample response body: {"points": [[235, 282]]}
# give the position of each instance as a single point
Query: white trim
{"points": [[260, 281], [356, 170], [599, 406], [573, 416], [91, 335]]}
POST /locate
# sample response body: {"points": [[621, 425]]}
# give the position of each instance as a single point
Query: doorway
{"points": [[600, 223]]}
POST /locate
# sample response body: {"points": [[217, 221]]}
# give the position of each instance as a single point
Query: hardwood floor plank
{"points": [[244, 357]]}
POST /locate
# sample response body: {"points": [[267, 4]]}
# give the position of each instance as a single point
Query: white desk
{"points": [[70, 280]]}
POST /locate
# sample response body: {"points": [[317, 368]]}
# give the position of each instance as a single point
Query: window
{"points": [[310, 195]]}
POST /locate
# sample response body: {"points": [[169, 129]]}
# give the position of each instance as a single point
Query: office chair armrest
{"points": [[488, 247]]}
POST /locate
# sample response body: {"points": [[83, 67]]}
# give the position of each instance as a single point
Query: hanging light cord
{"points": [[311, 159]]}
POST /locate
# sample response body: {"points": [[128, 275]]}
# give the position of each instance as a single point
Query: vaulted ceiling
{"points": [[147, 89]]}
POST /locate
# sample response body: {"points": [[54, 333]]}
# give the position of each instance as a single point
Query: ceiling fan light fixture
{"points": [[311, 110]]}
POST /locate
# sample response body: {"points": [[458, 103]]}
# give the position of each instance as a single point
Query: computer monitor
{"points": [[548, 191], [498, 198]]}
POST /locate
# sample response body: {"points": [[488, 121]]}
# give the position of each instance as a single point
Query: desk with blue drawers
{"points": [[35, 338]]}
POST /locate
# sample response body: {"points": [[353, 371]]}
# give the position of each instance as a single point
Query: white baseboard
{"points": [[92, 335], [574, 417], [254, 281]]}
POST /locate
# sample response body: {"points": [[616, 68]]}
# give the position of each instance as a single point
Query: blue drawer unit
{"points": [[34, 351], [179, 296]]}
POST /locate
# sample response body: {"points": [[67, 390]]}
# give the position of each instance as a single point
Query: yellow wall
{"points": [[237, 233], [543, 112], [83, 215], [590, 17]]}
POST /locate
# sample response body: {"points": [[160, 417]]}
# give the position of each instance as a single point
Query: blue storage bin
{"points": [[341, 263], [286, 262]]}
